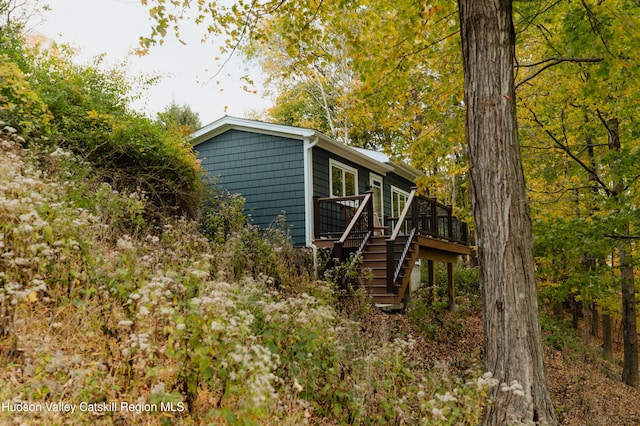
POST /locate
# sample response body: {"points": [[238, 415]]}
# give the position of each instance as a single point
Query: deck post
{"points": [[391, 261], [337, 251], [434, 216], [431, 281], [450, 287], [370, 212], [450, 221], [414, 209], [316, 216]]}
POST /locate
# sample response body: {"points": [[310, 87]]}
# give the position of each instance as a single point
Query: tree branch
{"points": [[571, 154], [551, 62]]}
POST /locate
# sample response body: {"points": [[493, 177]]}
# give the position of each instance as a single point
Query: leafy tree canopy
{"points": [[180, 118], [370, 73]]}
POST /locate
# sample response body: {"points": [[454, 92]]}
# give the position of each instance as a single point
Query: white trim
{"points": [[322, 141], [227, 122], [307, 152], [334, 163]]}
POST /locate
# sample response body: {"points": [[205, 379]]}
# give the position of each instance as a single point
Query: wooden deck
{"points": [[425, 230]]}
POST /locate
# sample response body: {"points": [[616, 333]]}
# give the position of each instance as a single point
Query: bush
{"points": [[145, 316], [466, 280], [20, 106], [84, 109]]}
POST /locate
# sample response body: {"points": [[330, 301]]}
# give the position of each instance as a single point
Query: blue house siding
{"points": [[268, 171]]}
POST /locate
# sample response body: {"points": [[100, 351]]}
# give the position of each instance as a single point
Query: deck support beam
{"points": [[450, 287], [431, 280]]}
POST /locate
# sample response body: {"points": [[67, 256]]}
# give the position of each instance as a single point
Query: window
{"points": [[398, 201], [344, 180]]}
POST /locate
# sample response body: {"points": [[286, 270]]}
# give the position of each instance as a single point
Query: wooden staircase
{"points": [[425, 229], [374, 258]]}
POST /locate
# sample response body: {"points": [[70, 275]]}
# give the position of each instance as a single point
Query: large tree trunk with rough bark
{"points": [[513, 347]]}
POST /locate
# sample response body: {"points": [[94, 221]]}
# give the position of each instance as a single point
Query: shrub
{"points": [[222, 215], [466, 280], [85, 110], [92, 312], [245, 249], [20, 105]]}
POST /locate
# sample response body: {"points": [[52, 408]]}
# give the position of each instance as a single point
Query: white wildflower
{"points": [[447, 397], [486, 381], [437, 414], [125, 243], [158, 388]]}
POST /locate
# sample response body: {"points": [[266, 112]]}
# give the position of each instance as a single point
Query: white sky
{"points": [[113, 27]]}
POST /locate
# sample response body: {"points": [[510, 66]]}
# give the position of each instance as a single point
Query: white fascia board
{"points": [[227, 122], [406, 171], [351, 154]]}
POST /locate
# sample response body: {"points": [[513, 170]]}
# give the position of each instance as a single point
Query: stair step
{"points": [[386, 298], [375, 263], [387, 307], [374, 255], [376, 291], [375, 259]]}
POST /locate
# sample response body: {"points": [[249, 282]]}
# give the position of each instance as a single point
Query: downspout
{"points": [[308, 189]]}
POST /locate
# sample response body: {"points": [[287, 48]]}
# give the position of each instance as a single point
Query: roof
{"points": [[374, 160]]}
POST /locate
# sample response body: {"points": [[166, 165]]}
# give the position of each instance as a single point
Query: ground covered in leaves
{"points": [[586, 388]]}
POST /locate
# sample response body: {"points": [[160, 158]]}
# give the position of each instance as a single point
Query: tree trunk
{"points": [[595, 320], [607, 335], [629, 319], [629, 325], [576, 311], [513, 347], [586, 324]]}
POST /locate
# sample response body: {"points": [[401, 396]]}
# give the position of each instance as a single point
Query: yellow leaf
{"points": [[32, 297]]}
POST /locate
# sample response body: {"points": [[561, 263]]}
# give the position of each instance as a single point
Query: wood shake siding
{"points": [[268, 171]]}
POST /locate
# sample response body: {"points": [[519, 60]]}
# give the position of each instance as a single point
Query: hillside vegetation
{"points": [[132, 293], [98, 307]]}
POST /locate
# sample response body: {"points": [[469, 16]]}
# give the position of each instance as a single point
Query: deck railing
{"points": [[436, 220], [345, 219], [420, 216]]}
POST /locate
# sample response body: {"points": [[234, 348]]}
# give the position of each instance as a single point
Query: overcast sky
{"points": [[114, 26]]}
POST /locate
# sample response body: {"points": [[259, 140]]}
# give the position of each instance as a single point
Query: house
{"points": [[326, 188]]}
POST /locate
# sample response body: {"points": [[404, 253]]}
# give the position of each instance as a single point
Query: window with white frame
{"points": [[343, 181], [398, 201]]}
